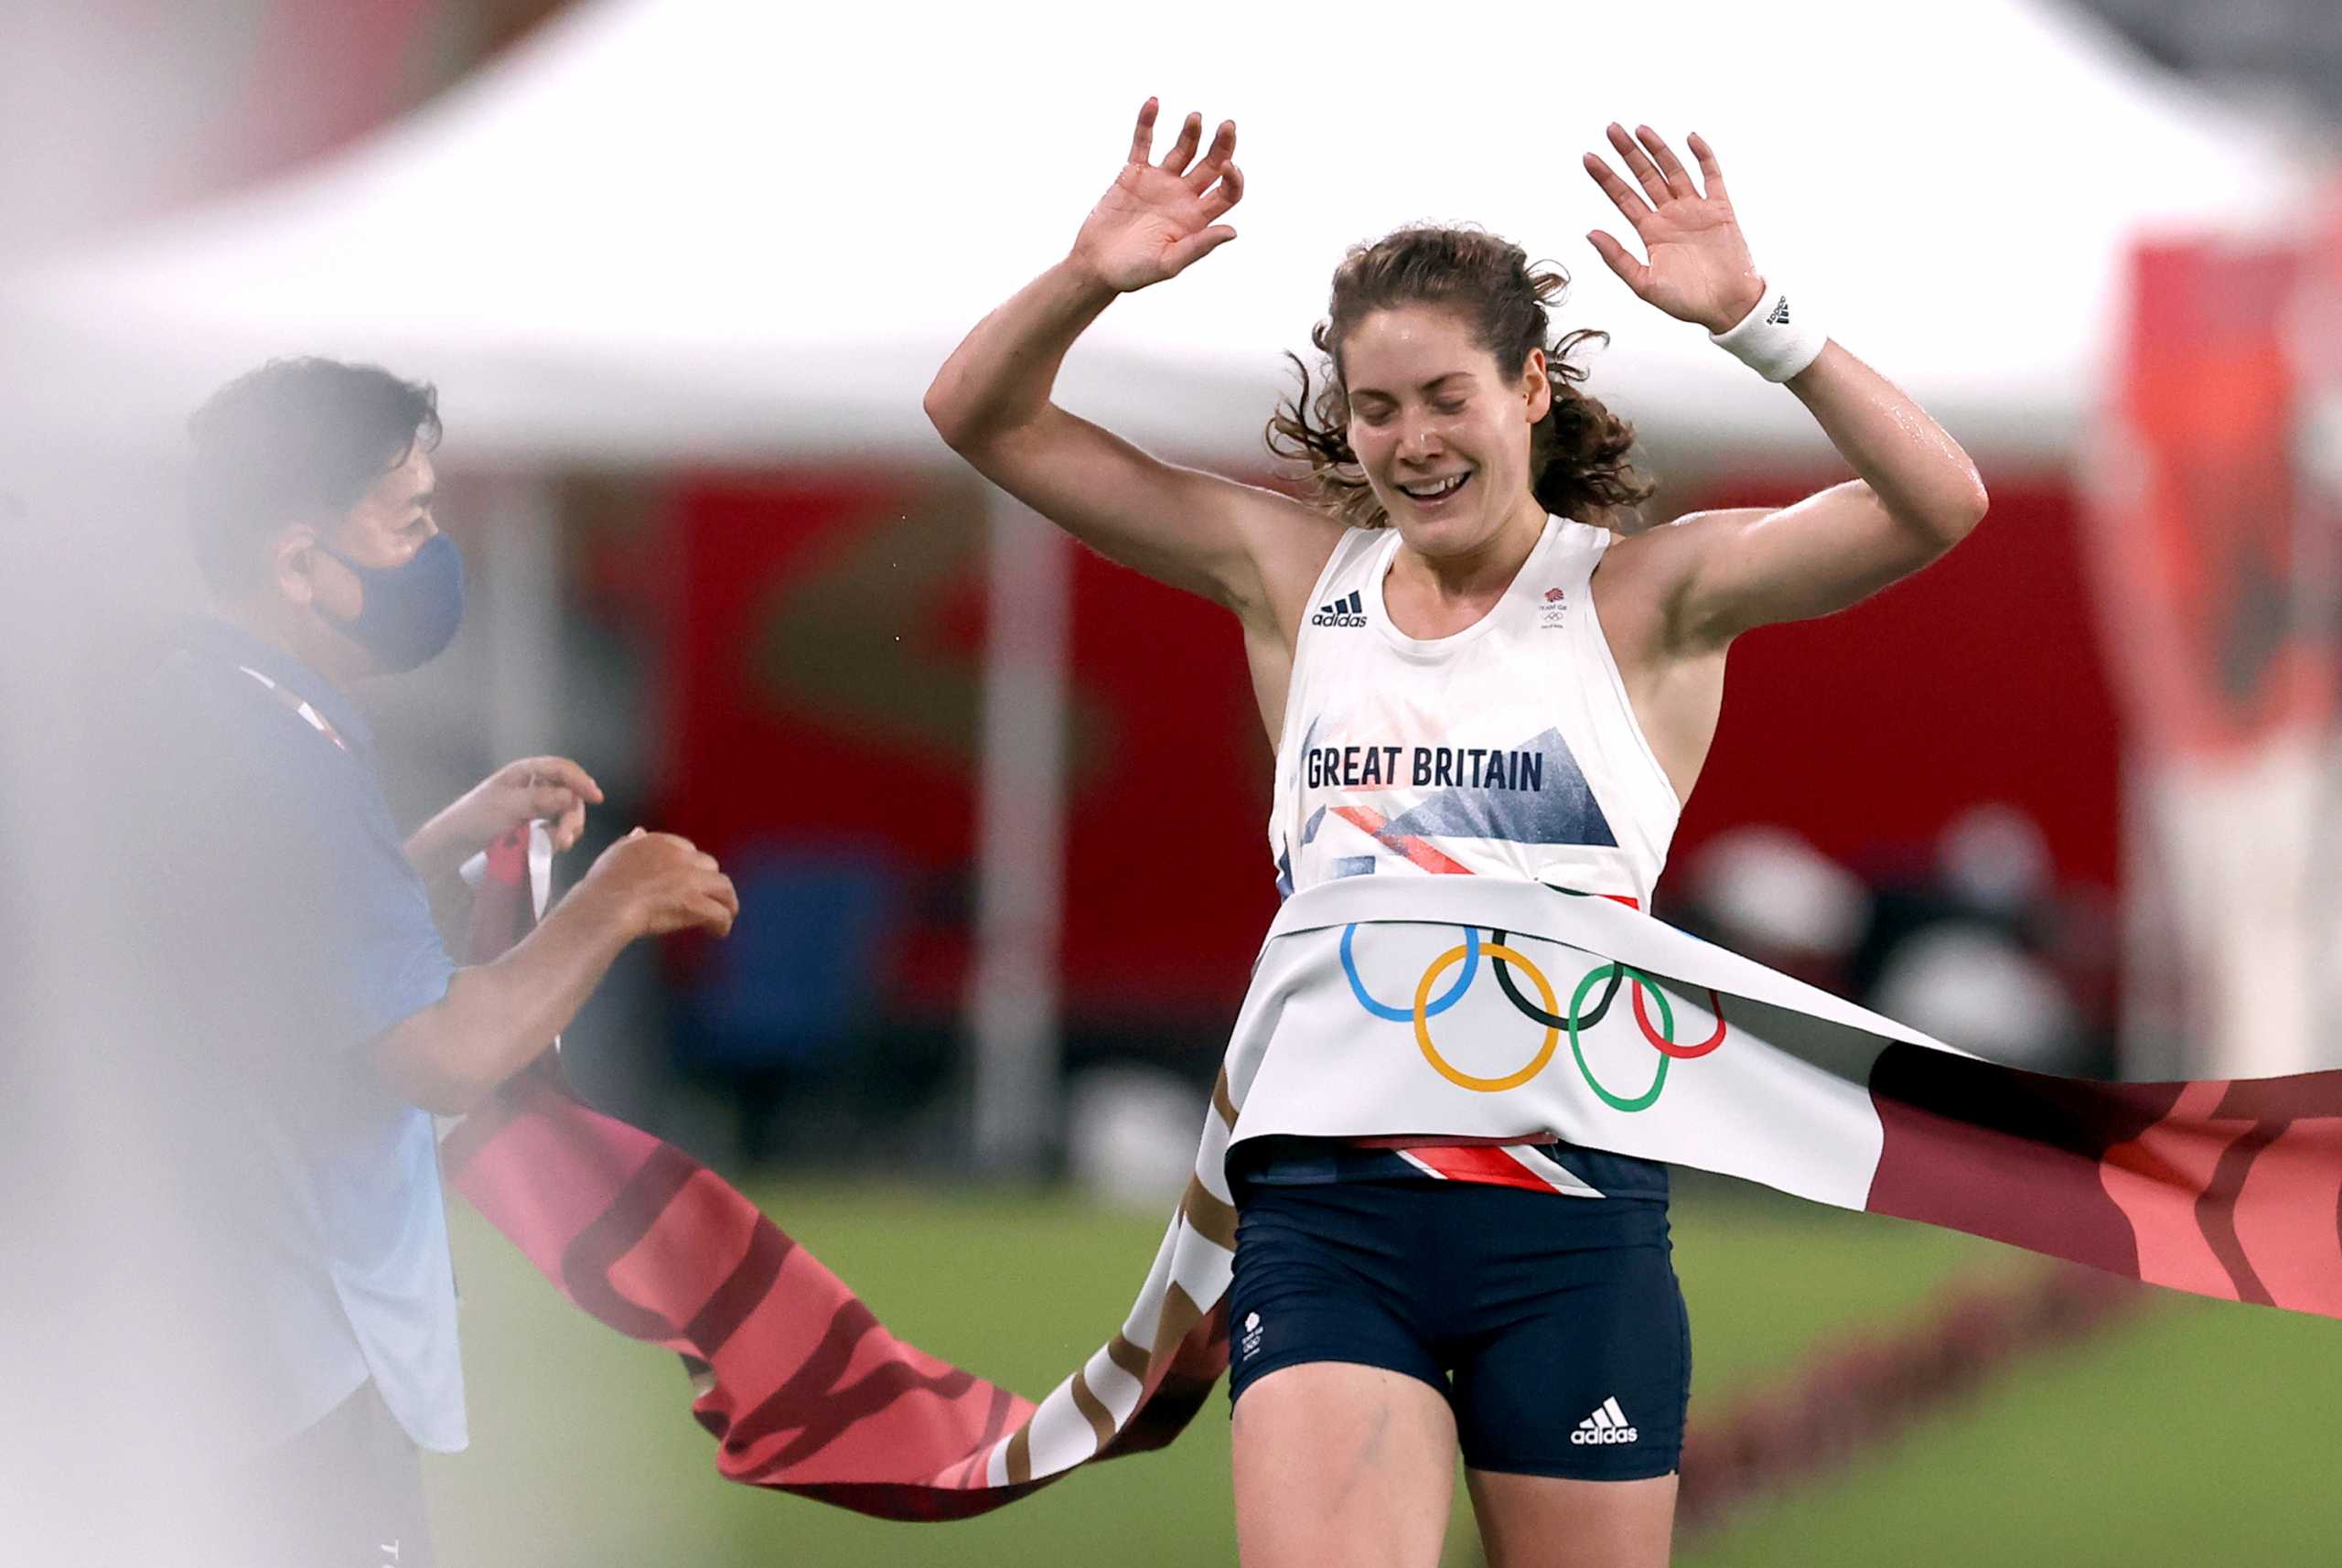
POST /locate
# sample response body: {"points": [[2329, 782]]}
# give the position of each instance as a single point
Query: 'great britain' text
{"points": [[1425, 766]]}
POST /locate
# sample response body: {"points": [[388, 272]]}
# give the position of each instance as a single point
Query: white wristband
{"points": [[1770, 339]]}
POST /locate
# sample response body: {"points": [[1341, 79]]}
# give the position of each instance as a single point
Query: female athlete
{"points": [[1470, 664]]}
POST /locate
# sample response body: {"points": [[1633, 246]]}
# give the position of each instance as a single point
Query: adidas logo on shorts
{"points": [[1347, 610], [1606, 1424]]}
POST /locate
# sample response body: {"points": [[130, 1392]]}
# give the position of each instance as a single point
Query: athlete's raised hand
{"points": [[1158, 217], [1699, 268]]}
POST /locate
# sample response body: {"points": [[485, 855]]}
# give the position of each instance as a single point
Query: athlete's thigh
{"points": [[1340, 1463], [1551, 1522]]}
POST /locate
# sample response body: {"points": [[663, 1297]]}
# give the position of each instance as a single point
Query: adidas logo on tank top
{"points": [[1346, 611]]}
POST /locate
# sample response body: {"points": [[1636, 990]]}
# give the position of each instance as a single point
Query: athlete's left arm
{"points": [[1722, 573], [1917, 496]]}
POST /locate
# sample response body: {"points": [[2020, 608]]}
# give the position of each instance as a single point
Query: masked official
{"points": [[316, 1018]]}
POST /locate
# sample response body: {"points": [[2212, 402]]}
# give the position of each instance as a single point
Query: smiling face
{"points": [[1441, 429]]}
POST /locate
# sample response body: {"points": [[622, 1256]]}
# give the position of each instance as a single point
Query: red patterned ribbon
{"points": [[803, 1389]]}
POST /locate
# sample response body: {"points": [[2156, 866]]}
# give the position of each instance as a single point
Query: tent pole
{"points": [[1020, 842], [524, 617]]}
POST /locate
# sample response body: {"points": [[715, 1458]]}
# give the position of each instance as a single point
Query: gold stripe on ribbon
{"points": [[1094, 1409], [1126, 1355], [1180, 1314], [1213, 1220]]}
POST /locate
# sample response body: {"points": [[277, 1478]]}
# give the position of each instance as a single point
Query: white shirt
{"points": [[1507, 749]]}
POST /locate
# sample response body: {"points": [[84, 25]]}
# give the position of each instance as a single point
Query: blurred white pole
{"points": [[524, 617], [2155, 1038], [2313, 345], [1020, 839]]}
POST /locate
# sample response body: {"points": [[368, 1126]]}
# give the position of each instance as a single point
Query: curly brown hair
{"points": [[1579, 452]]}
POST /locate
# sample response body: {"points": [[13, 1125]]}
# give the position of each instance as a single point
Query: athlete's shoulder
{"points": [[1645, 581], [1295, 556], [1688, 534], [1567, 539], [1652, 553]]}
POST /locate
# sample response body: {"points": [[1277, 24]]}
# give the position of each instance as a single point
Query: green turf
{"points": [[2195, 1433], [583, 1452]]}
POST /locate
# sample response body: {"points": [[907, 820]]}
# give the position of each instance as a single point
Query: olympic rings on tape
{"points": [[1650, 1096], [1664, 1040], [1497, 954], [1577, 1018], [1471, 950], [1546, 1016], [1659, 1039]]}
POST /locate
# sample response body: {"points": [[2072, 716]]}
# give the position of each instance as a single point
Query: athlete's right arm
{"points": [[1243, 546]]}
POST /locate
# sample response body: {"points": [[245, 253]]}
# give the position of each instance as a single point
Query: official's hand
{"points": [[548, 788], [551, 790], [1158, 217], [1699, 269], [658, 882]]}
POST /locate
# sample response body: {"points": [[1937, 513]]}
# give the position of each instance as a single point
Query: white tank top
{"points": [[1507, 749]]}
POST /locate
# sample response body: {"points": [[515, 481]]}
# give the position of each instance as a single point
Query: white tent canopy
{"points": [[669, 230], [694, 228]]}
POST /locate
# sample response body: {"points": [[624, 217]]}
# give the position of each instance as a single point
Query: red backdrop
{"points": [[1981, 679]]}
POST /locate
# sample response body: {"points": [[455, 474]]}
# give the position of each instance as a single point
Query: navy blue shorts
{"points": [[1553, 1326]]}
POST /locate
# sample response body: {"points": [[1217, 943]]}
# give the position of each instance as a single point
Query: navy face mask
{"points": [[409, 613]]}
